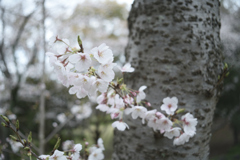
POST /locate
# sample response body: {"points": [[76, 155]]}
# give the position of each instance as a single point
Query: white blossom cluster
{"points": [[88, 74], [74, 152]]}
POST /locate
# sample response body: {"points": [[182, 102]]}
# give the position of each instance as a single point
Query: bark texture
{"points": [[174, 46]]}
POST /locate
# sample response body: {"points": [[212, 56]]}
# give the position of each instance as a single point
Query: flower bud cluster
{"points": [[90, 74]]}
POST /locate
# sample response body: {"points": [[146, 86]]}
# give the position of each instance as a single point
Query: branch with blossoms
{"points": [[94, 152], [91, 74]]}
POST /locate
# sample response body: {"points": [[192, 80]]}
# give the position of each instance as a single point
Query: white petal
{"points": [[72, 90], [102, 47], [128, 110], [74, 58], [142, 88], [66, 41], [103, 107]]}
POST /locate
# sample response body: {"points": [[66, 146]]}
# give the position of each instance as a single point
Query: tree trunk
{"points": [[174, 46]]}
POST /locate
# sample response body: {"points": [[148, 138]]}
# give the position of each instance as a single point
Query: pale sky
{"points": [[69, 4]]}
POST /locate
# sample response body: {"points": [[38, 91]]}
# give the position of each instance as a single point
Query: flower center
{"points": [[165, 122], [186, 123], [83, 57], [100, 54], [169, 106]]}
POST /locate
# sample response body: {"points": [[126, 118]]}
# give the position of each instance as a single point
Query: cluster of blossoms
{"points": [[73, 150], [90, 74]]}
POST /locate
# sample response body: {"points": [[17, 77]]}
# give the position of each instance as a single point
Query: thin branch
{"points": [[19, 34], [24, 137], [12, 127], [34, 54], [5, 70], [57, 129], [42, 96]]}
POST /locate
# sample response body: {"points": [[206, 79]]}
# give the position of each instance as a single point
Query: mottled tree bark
{"points": [[174, 46]]}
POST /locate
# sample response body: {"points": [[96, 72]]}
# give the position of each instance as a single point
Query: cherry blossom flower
{"points": [[96, 155], [174, 132], [61, 117], [100, 85], [106, 74], [115, 113], [79, 91], [189, 124], [153, 123], [102, 99], [149, 115], [59, 67], [52, 58], [138, 111], [63, 78], [82, 61], [72, 77], [121, 126], [183, 138], [111, 97], [140, 94], [44, 157], [127, 68], [169, 105], [129, 100], [103, 107], [75, 152], [100, 143], [83, 81], [58, 155], [108, 65], [164, 124], [119, 103], [61, 47], [102, 53], [67, 145], [160, 115]]}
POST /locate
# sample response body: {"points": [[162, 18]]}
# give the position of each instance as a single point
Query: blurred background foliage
{"points": [[96, 21], [226, 129]]}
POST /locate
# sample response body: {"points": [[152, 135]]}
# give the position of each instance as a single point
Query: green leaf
{"points": [[30, 137], [13, 138], [57, 144], [5, 118]]}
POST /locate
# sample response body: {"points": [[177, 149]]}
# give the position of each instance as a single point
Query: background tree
{"points": [[108, 26], [175, 49]]}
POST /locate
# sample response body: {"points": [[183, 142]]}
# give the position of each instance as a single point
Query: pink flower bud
{"points": [[148, 104], [114, 115], [134, 94]]}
